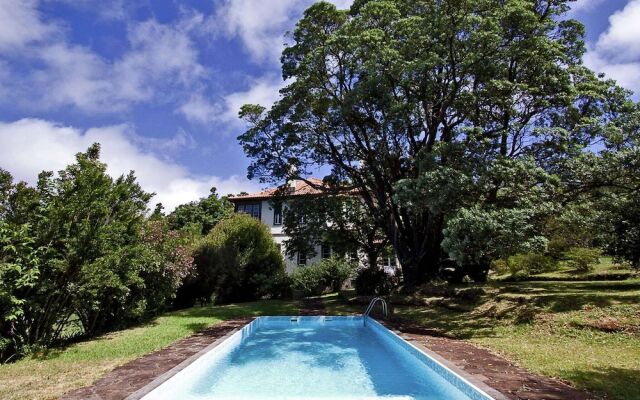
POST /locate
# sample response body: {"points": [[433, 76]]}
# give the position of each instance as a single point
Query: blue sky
{"points": [[159, 82]]}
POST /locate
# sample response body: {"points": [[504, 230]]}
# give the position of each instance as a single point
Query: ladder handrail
{"points": [[372, 303]]}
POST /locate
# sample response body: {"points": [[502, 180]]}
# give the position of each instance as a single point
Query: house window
{"points": [[279, 246], [277, 214], [326, 251], [302, 258], [252, 209]]}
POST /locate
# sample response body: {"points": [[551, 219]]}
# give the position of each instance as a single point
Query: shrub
{"points": [[500, 266], [582, 258], [329, 274], [337, 272], [237, 261], [77, 254], [522, 265], [374, 281]]}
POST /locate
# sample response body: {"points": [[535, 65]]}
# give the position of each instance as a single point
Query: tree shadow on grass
{"points": [[618, 383]]}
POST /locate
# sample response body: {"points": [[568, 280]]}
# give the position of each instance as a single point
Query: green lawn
{"points": [[606, 269], [48, 375], [587, 333]]}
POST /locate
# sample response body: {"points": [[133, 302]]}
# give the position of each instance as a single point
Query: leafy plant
{"points": [[523, 265], [329, 274], [582, 259], [237, 261], [78, 247], [426, 109], [374, 281]]}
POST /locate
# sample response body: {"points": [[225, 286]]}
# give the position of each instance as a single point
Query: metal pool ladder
{"points": [[372, 303]]}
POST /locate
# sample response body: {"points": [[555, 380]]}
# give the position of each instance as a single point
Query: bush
{"points": [[329, 274], [374, 281], [582, 258], [522, 265], [79, 257], [500, 266], [237, 261]]}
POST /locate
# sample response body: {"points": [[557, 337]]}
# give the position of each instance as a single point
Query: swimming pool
{"points": [[315, 358]]}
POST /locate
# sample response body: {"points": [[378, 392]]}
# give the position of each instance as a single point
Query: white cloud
{"points": [[617, 50], [261, 25], [627, 74], [160, 64], [20, 24], [621, 41], [28, 146], [201, 110], [158, 53], [264, 91]]}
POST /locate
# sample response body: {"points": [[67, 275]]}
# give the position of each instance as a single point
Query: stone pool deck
{"points": [[129, 378], [504, 378], [484, 366]]}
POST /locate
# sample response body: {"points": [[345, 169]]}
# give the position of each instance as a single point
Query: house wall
{"points": [[266, 217], [390, 263]]}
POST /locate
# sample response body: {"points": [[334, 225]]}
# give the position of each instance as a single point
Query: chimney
{"points": [[291, 182], [291, 186]]}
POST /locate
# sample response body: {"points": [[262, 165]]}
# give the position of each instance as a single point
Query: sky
{"points": [[159, 82]]}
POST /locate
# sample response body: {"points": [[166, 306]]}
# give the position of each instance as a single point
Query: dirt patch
{"points": [[609, 325], [312, 306]]}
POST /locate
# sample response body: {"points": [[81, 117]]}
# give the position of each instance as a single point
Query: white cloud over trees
{"points": [[29, 146]]}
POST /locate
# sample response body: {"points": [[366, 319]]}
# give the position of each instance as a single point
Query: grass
{"points": [[606, 269], [48, 375], [586, 333]]}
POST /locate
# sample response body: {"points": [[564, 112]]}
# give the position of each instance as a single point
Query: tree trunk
{"points": [[372, 258], [421, 257]]}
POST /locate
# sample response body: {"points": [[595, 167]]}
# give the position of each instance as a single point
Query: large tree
{"points": [[391, 91], [76, 251], [200, 215]]}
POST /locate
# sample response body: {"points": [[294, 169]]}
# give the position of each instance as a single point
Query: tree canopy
{"points": [[201, 215], [78, 256], [437, 110]]}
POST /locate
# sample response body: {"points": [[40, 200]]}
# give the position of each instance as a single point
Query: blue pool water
{"points": [[315, 358]]}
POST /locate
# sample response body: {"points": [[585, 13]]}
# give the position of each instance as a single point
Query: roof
{"points": [[302, 188]]}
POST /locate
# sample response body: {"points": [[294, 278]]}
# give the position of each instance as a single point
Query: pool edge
{"points": [[473, 380], [160, 379]]}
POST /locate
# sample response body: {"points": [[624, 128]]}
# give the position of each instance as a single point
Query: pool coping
{"points": [[472, 379], [160, 379], [475, 380]]}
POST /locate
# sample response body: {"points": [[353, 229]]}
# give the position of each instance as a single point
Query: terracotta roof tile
{"points": [[302, 188]]}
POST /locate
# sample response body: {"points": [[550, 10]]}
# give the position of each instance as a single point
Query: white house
{"points": [[261, 206]]}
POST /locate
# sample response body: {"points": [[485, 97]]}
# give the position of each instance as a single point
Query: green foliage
{"points": [[309, 281], [609, 183], [329, 274], [201, 215], [339, 221], [624, 220], [374, 281], [477, 235], [77, 247], [523, 265], [582, 259], [436, 111], [237, 261]]}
